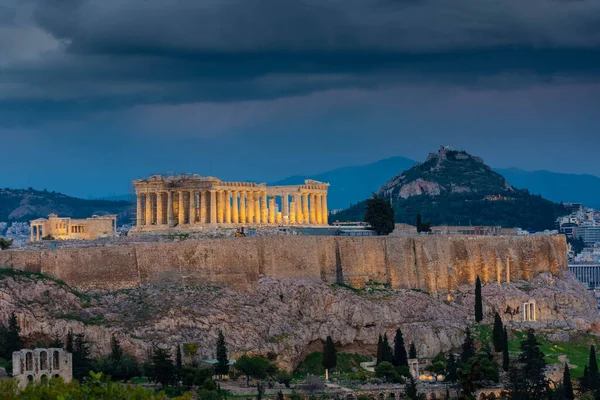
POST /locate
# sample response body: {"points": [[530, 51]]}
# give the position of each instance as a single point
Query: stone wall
{"points": [[430, 263]]}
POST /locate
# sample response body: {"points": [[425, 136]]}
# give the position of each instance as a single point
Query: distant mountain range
{"points": [[455, 188], [351, 185]]}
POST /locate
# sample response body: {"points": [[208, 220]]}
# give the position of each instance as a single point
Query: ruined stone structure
{"points": [[40, 365], [70, 228], [192, 201], [436, 264]]}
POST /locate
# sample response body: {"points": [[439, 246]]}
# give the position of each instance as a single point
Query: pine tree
{"points": [[478, 301], [468, 347], [222, 367], [567, 385], [593, 370], [498, 333], [534, 365], [162, 367], [379, 349], [400, 356], [451, 369], [69, 342], [329, 354], [387, 354], [380, 215], [11, 340], [505, 355], [116, 352], [412, 351], [81, 357]]}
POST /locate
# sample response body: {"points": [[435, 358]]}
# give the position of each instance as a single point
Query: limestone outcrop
{"points": [[289, 317], [435, 264]]}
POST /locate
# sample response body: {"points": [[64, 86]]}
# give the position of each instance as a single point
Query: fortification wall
{"points": [[431, 263]]}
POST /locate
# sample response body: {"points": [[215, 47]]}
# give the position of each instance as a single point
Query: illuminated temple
{"points": [[190, 201]]}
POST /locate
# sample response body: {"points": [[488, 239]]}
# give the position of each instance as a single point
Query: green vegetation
{"points": [[379, 214], [478, 301], [5, 244], [346, 363], [329, 354], [222, 367], [37, 277]]}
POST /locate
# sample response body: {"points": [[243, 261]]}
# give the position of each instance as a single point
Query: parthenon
{"points": [[193, 201]]}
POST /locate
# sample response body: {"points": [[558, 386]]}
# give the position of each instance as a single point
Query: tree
{"points": [[222, 367], [451, 369], [329, 354], [412, 352], [468, 347], [254, 366], [505, 355], [400, 356], [116, 352], [478, 301], [386, 370], [178, 363], [56, 343], [379, 349], [5, 244], [387, 354], [593, 370], [284, 378], [498, 333], [380, 215], [528, 379], [422, 227], [411, 389], [280, 395], [567, 384], [10, 339], [81, 357], [163, 370]]}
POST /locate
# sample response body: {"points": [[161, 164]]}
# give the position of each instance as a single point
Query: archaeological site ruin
{"points": [[65, 228], [193, 202]]}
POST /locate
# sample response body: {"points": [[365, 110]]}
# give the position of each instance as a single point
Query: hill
{"points": [[21, 205], [455, 188], [556, 186], [353, 184]]}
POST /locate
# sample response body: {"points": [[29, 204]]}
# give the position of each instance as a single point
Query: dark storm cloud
{"points": [[118, 53]]}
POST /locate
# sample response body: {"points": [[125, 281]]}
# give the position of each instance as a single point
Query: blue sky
{"points": [[94, 94]]}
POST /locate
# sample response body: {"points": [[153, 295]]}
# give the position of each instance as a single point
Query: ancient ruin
{"points": [[66, 228], [40, 365], [192, 202]]}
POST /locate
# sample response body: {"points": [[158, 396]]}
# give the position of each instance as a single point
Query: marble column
{"points": [[243, 219], [319, 209], [227, 197], [324, 211], [203, 196], [181, 217], [297, 203], [213, 207], [235, 216], [140, 210], [272, 210], [313, 209], [221, 206], [159, 209], [305, 214], [192, 207], [148, 209], [250, 207], [292, 217], [264, 211], [31, 233], [257, 208], [285, 214], [170, 208]]}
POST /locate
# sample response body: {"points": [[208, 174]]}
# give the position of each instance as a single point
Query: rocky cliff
{"points": [[289, 317], [435, 264]]}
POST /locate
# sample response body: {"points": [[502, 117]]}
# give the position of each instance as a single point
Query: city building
{"points": [[589, 234], [194, 202], [66, 228]]}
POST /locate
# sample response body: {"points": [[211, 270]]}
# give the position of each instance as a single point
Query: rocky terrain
{"points": [[287, 317], [25, 205]]}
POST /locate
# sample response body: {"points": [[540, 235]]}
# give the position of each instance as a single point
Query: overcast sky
{"points": [[96, 93]]}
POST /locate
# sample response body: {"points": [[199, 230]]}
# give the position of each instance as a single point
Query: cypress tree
{"points": [[178, 363], [534, 364], [116, 352], [584, 382], [222, 367], [379, 350], [451, 369], [567, 384], [11, 337], [593, 369], [419, 223], [505, 355], [412, 352], [329, 354], [81, 357], [468, 348], [400, 356], [69, 342], [498, 333], [387, 354], [478, 301], [411, 389]]}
